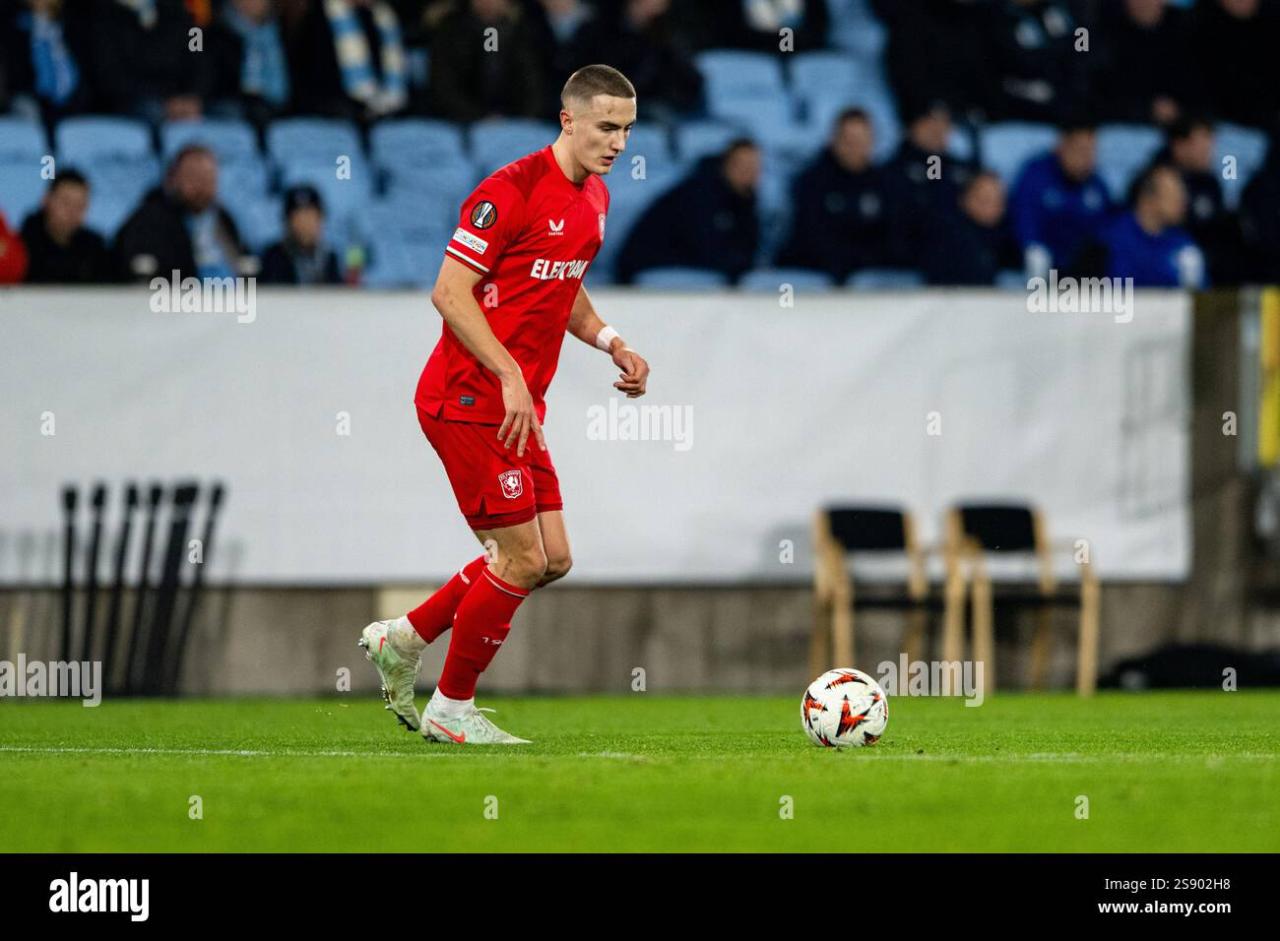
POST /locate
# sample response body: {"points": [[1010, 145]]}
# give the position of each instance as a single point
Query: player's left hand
{"points": [[635, 372]]}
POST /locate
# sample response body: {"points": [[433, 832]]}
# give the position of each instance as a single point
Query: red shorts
{"points": [[494, 488]]}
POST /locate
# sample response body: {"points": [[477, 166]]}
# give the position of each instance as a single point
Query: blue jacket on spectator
{"points": [[1168, 260], [1049, 209]]}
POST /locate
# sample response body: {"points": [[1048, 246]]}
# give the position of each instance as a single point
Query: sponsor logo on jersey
{"points": [[544, 269], [484, 214], [473, 242], [555, 228], [511, 484]]}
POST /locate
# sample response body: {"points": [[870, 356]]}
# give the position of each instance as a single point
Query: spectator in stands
{"points": [[707, 221], [1030, 50], [43, 59], [922, 181], [936, 52], [840, 220], [471, 78], [347, 60], [1146, 51], [181, 227], [1189, 150], [759, 24], [556, 26], [13, 254], [252, 69], [141, 60], [1260, 219], [1235, 49], [1149, 243], [972, 245], [638, 39], [301, 257], [1059, 201], [61, 249]]}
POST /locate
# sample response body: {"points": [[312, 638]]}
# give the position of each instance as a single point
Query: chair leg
{"points": [[984, 648], [913, 640], [953, 619], [820, 638], [1087, 656], [842, 628], [1041, 646]]}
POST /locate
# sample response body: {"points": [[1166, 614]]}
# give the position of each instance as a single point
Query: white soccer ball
{"points": [[844, 708]]}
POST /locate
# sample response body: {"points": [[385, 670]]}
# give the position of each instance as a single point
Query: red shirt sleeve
{"points": [[13, 255], [490, 219]]}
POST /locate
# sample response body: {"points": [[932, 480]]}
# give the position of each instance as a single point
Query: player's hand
{"points": [[635, 372], [520, 419]]}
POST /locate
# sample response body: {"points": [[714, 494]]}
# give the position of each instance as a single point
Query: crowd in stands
{"points": [[923, 141]]}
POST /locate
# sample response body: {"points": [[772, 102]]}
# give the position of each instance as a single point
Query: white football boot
{"points": [[398, 671], [470, 728]]}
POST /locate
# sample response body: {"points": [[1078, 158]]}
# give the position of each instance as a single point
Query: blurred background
{"points": [[825, 235]]}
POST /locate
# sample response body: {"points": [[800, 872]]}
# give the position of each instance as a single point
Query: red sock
{"points": [[435, 615], [479, 628]]}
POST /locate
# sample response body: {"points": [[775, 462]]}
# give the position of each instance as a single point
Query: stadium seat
{"points": [[496, 143], [651, 142], [260, 221], [681, 279], [230, 140], [405, 248], [821, 110], [1123, 151], [730, 74], [697, 139], [312, 139], [628, 199], [1007, 146], [22, 141], [824, 73], [885, 279], [772, 279], [343, 198], [85, 140], [856, 28], [416, 142], [1248, 147], [21, 189]]}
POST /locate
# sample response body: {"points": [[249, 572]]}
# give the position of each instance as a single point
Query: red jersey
{"points": [[532, 233]]}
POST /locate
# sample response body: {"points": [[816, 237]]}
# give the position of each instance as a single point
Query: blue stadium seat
{"points": [[824, 73], [856, 28], [343, 198], [260, 221], [22, 141], [1007, 146], [628, 199], [1123, 150], [110, 206], [87, 139], [772, 279], [651, 142], [733, 75], [885, 279], [230, 140], [405, 249], [416, 142], [698, 139], [312, 139], [681, 279], [497, 142], [20, 189], [872, 97], [1248, 147]]}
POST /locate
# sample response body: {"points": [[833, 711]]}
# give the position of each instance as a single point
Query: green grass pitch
{"points": [[1162, 772]]}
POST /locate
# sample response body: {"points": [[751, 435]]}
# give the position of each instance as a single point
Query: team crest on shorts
{"points": [[511, 484], [484, 214]]}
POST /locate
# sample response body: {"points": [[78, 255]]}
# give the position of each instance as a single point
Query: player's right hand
{"points": [[520, 418]]}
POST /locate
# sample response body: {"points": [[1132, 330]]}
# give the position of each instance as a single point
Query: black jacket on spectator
{"points": [[699, 223], [130, 63], [961, 252], [85, 260], [1030, 50], [840, 220], [915, 200], [1139, 65], [656, 59], [17, 73], [726, 24], [1260, 219], [935, 53], [158, 228], [281, 265], [469, 83], [1238, 63]]}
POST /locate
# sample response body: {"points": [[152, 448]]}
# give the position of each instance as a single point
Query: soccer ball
{"points": [[844, 708]]}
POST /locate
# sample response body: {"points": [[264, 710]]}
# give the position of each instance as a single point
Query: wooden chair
{"points": [[838, 531], [972, 531]]}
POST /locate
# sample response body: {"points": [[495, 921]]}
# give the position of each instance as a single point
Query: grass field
{"points": [[1171, 772]]}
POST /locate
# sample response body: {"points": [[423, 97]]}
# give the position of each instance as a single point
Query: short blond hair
{"points": [[592, 80]]}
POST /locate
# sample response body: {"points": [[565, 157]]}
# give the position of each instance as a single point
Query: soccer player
{"points": [[509, 288]]}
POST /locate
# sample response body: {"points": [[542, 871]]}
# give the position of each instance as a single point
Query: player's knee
{"points": [[529, 565]]}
